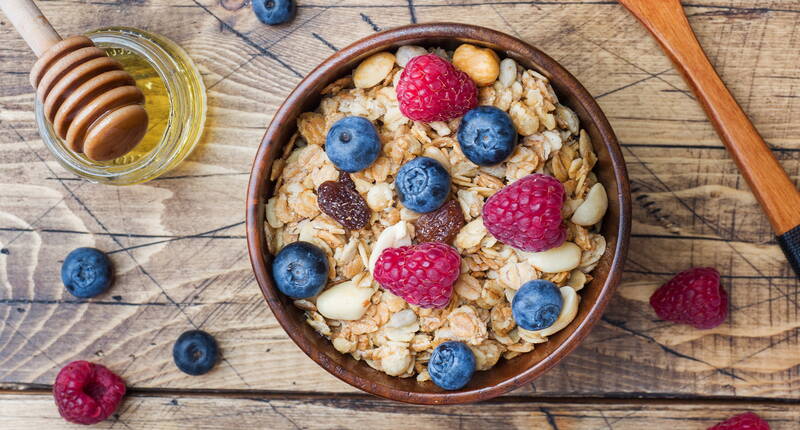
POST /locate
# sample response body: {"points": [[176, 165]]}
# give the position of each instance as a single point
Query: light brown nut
{"points": [[481, 64], [373, 70]]}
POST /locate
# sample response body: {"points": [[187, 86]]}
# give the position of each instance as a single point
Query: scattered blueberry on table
{"points": [[486, 135], [423, 184], [536, 305], [451, 365], [352, 144], [274, 12], [300, 270], [86, 272], [195, 352]]}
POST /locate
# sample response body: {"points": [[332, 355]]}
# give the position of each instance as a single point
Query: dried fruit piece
{"points": [[441, 225], [340, 201], [345, 179]]}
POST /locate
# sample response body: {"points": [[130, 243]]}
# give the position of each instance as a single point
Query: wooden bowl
{"points": [[507, 374]]}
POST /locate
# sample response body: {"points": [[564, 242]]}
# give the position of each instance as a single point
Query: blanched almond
{"points": [[568, 311], [345, 301], [560, 259], [594, 206], [392, 237]]}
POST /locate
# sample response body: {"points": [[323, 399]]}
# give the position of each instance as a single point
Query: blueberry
{"points": [[536, 305], [422, 184], [486, 135], [274, 12], [451, 365], [300, 270], [352, 144], [195, 352], [86, 272]]}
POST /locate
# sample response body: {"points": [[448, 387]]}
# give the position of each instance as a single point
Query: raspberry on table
{"points": [[87, 393], [745, 421], [693, 297], [423, 274], [432, 89], [527, 213]]}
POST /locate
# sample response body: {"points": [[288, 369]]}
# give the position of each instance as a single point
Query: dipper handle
{"points": [[772, 186], [31, 24]]}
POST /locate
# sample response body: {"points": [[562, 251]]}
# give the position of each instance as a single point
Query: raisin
{"points": [[345, 179], [441, 225], [340, 201]]}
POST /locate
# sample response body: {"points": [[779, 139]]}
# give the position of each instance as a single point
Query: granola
{"points": [[382, 329]]}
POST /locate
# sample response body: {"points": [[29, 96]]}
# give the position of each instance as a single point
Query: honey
{"points": [[156, 101], [175, 101]]}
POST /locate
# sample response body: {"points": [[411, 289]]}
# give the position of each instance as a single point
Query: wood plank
{"points": [[178, 242], [36, 411]]}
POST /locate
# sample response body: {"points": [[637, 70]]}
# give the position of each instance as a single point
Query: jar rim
{"points": [[185, 122]]}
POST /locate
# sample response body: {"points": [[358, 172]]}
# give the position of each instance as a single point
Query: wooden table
{"points": [[179, 249]]}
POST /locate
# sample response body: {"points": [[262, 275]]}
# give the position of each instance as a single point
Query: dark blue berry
{"points": [[300, 270], [423, 184], [536, 305], [352, 144], [274, 12], [86, 272], [451, 365], [487, 136], [195, 352]]}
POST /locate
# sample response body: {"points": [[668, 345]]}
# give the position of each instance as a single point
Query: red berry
{"points": [[432, 89], [527, 214], [746, 421], [693, 297], [87, 393], [423, 274]]}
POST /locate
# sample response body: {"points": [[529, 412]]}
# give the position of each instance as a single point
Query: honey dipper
{"points": [[93, 104]]}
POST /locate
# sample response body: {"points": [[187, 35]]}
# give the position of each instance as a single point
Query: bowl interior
{"points": [[507, 374]]}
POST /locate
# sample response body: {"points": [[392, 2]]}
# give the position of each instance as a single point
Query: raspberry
{"points": [[87, 393], [527, 214], [423, 274], [746, 421], [693, 297], [432, 89]]}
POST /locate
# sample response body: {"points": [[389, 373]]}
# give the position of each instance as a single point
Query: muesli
{"points": [[355, 217]]}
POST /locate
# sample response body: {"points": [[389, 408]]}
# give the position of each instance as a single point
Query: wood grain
{"points": [[34, 411], [178, 242]]}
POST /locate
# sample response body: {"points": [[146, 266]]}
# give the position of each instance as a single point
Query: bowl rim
{"points": [[259, 176]]}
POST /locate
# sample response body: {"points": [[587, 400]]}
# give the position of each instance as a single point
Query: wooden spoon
{"points": [[93, 103], [775, 191]]}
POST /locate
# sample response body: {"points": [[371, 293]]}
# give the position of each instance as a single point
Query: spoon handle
{"points": [[775, 191], [31, 24]]}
